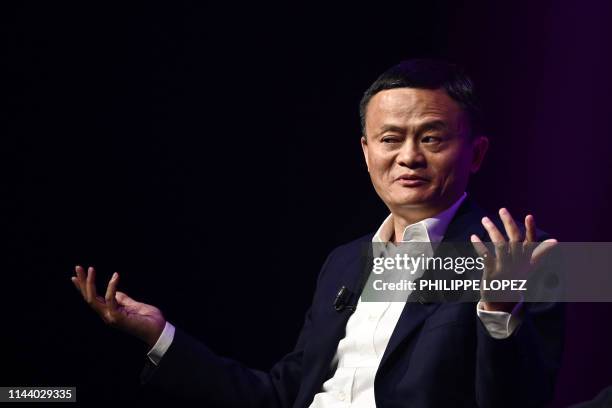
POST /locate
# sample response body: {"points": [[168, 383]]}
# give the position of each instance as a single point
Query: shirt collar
{"points": [[430, 229]]}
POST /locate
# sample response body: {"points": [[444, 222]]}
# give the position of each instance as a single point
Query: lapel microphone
{"points": [[343, 300]]}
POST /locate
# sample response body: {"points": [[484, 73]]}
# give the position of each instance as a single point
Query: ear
{"points": [[480, 145], [364, 147]]}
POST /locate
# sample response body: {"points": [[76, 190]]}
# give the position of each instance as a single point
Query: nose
{"points": [[410, 155]]}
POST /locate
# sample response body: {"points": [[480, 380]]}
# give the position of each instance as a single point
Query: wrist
{"points": [[498, 306], [153, 337]]}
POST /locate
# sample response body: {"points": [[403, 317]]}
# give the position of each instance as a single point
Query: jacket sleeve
{"points": [[521, 370], [191, 370]]}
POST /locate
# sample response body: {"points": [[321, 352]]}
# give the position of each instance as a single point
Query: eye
{"points": [[390, 139], [431, 139]]}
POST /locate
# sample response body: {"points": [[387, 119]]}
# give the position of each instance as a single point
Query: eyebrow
{"points": [[391, 128], [433, 124], [429, 125]]}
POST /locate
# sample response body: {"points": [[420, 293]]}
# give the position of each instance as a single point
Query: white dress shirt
{"points": [[370, 327]]}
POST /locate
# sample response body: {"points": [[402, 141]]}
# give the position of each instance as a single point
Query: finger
{"points": [[480, 248], [90, 286], [530, 228], [494, 233], [75, 281], [125, 300], [111, 289], [542, 249], [530, 235], [512, 230], [80, 274], [496, 237], [80, 279]]}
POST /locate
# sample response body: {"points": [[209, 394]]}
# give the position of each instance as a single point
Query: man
{"points": [[422, 138]]}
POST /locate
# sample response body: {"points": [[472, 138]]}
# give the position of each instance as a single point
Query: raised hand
{"points": [[118, 309], [513, 259]]}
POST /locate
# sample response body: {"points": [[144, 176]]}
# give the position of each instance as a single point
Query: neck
{"points": [[403, 217]]}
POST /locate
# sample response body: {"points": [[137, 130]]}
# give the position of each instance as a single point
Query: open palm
{"points": [[119, 310]]}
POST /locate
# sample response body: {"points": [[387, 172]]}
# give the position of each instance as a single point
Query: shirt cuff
{"points": [[161, 346], [500, 325]]}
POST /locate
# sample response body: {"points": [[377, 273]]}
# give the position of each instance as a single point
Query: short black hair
{"points": [[429, 74]]}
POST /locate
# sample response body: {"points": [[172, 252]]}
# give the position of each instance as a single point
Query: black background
{"points": [[210, 154]]}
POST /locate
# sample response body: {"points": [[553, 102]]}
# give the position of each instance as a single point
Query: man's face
{"points": [[418, 149]]}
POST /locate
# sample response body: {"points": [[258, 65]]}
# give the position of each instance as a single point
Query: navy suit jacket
{"points": [[439, 355]]}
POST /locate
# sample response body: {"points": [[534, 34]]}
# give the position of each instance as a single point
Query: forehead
{"points": [[411, 106]]}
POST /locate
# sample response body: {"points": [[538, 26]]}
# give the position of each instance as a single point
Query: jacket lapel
{"points": [[465, 222]]}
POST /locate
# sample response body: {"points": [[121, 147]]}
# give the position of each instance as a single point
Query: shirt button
{"points": [[341, 395], [373, 317]]}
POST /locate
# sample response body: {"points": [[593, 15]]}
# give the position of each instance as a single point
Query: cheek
{"points": [[449, 167], [380, 165]]}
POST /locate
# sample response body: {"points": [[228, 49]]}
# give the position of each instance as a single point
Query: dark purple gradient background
{"points": [[145, 138], [552, 143]]}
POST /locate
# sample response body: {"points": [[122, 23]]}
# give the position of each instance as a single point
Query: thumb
{"points": [[541, 250], [124, 300]]}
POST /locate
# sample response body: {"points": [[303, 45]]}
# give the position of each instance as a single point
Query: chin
{"points": [[411, 202]]}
